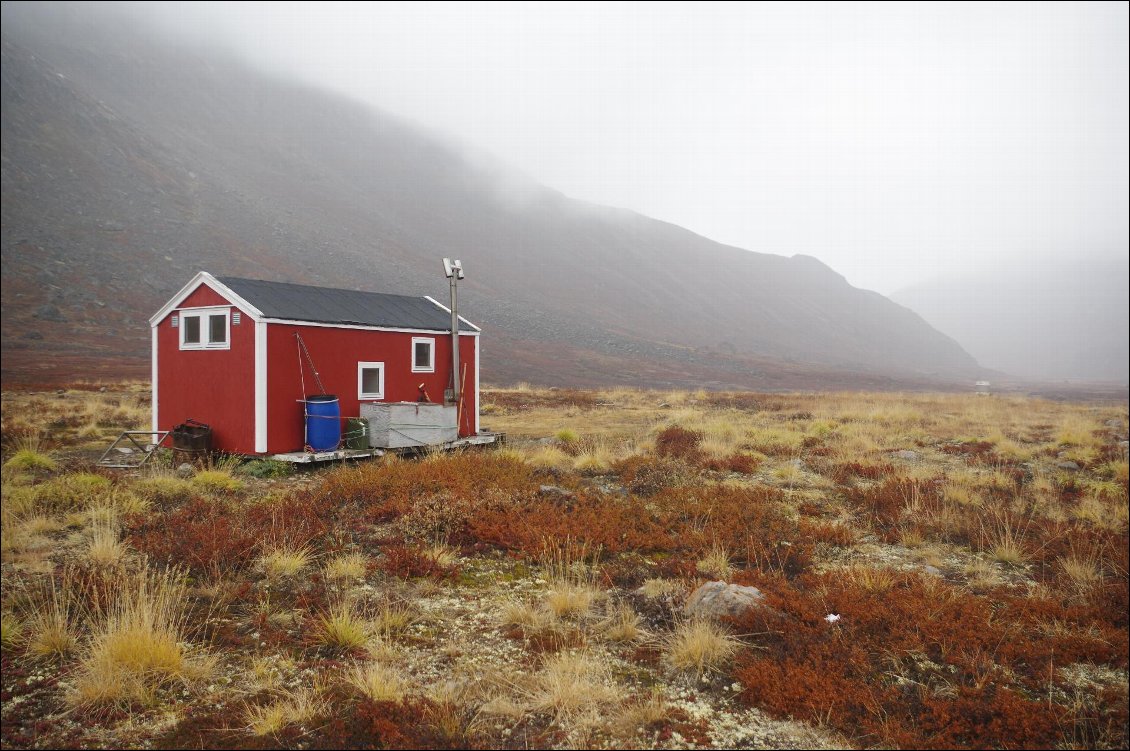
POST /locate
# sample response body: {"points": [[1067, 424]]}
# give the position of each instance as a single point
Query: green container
{"points": [[356, 434]]}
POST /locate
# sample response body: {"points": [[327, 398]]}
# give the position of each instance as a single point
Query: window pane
{"points": [[217, 328], [371, 380], [423, 354], [191, 329]]}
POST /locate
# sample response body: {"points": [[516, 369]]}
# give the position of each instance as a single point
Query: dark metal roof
{"points": [[299, 302]]}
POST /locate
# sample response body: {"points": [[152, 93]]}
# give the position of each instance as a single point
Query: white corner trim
{"points": [[477, 385], [260, 387], [153, 377], [447, 310], [217, 286]]}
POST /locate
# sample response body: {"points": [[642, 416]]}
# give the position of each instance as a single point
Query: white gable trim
{"points": [[361, 327], [217, 286], [447, 310]]}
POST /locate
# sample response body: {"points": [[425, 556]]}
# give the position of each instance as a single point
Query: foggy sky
{"points": [[894, 142]]}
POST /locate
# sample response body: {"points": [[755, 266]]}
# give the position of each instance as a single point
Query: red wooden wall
{"points": [[215, 386], [335, 353]]}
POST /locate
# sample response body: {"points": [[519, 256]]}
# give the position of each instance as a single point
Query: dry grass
{"points": [[138, 644], [348, 566], [344, 627], [29, 456], [286, 561], [873, 580], [55, 611], [392, 617], [570, 683], [824, 520], [716, 563], [637, 716], [571, 572], [442, 555], [699, 646], [622, 625], [105, 548], [294, 708], [377, 681], [217, 481], [654, 589]]}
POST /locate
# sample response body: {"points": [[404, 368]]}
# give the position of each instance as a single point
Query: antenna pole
{"points": [[454, 284]]}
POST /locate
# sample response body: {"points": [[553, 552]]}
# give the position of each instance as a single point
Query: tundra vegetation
{"points": [[937, 571]]}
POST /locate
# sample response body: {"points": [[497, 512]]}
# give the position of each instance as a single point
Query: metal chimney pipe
{"points": [[454, 272], [455, 338]]}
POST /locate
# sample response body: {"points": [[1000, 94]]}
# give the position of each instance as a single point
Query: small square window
{"points": [[370, 380], [423, 354]]}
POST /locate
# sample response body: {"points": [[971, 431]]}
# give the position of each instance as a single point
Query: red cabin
{"points": [[229, 352]]}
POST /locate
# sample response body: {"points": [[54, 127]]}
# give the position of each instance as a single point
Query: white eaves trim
{"points": [[217, 286], [447, 310], [319, 324]]}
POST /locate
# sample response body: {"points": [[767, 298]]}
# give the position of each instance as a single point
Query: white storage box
{"points": [[394, 425]]}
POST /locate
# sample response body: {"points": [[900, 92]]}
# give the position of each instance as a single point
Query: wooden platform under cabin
{"points": [[310, 457]]}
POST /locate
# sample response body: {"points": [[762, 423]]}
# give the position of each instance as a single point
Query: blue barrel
{"points": [[323, 422]]}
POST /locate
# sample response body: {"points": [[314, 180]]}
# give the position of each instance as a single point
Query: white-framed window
{"points": [[423, 354], [370, 380], [205, 328]]}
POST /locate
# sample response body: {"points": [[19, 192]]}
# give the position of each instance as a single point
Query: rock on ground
{"points": [[718, 599]]}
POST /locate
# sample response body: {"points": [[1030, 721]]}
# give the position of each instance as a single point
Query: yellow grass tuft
{"points": [[52, 625], [716, 563], [344, 628], [572, 578], [346, 566], [442, 555], [217, 481], [875, 580], [638, 715], [699, 646], [623, 625], [376, 681], [11, 630], [105, 548], [570, 683], [138, 644], [285, 561], [392, 617], [297, 708], [29, 456], [653, 589]]}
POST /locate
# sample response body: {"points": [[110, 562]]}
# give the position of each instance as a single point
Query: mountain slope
{"points": [[130, 162]]}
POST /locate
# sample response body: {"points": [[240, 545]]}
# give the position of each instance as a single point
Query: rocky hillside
{"points": [[130, 162]]}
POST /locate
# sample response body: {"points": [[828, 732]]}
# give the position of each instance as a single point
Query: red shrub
{"points": [[679, 442], [204, 535], [408, 563]]}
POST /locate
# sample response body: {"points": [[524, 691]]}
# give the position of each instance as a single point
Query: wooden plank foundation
{"points": [[313, 457]]}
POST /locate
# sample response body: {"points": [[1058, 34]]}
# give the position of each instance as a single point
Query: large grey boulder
{"points": [[718, 599]]}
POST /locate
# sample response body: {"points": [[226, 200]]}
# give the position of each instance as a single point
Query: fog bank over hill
{"points": [[1051, 318]]}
